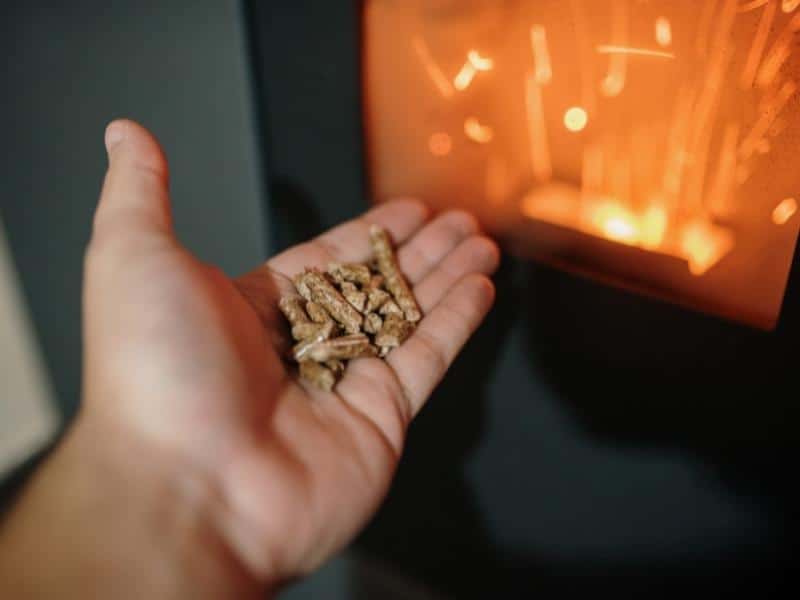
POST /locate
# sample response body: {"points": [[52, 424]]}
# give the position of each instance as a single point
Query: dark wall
{"points": [[306, 71], [585, 430], [69, 68]]}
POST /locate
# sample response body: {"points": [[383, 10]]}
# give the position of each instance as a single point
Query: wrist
{"points": [[110, 511]]}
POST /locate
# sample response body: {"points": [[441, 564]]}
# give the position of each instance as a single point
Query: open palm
{"points": [[182, 356]]}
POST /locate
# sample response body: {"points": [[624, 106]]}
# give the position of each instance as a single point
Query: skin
{"points": [[198, 466]]}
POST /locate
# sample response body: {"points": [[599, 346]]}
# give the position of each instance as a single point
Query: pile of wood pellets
{"points": [[350, 311]]}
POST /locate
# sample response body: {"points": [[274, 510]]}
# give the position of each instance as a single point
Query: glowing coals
{"points": [[654, 227], [784, 211], [704, 245], [616, 223], [575, 119], [701, 243]]}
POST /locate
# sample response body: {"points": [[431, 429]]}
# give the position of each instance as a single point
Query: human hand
{"points": [[185, 365]]}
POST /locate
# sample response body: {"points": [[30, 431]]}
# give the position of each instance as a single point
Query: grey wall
{"points": [[27, 413], [179, 67]]}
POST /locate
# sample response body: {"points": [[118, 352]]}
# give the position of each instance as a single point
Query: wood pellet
{"points": [[349, 311]]}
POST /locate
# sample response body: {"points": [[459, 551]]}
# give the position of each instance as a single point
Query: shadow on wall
{"points": [[655, 375], [642, 374]]}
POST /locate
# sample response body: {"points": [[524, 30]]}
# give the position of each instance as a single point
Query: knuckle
{"points": [[394, 393], [401, 399], [432, 351], [488, 250], [457, 316], [463, 222], [328, 247]]}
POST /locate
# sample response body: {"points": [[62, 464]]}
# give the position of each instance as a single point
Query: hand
{"points": [[183, 365]]}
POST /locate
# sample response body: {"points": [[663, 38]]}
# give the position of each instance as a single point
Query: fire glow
{"points": [[646, 143], [604, 210]]}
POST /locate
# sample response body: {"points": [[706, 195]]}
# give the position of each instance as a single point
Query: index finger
{"points": [[349, 242]]}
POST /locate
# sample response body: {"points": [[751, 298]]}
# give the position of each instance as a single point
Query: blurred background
{"points": [[588, 439]]}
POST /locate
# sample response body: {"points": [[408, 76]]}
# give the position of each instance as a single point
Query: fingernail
{"points": [[115, 133]]}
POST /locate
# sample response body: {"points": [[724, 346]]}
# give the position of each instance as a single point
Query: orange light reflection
{"points": [[630, 51], [700, 243], [575, 119], [784, 211], [704, 245], [663, 32], [482, 134], [465, 76], [789, 5], [541, 55], [440, 144]]}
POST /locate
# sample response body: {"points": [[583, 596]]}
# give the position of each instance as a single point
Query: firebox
{"points": [[648, 144]]}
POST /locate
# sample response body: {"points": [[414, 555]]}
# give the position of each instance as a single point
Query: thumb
{"points": [[134, 203]]}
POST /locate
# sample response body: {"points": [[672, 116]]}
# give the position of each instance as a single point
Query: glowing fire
{"points": [[605, 209], [704, 246], [700, 243], [669, 120], [616, 223]]}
